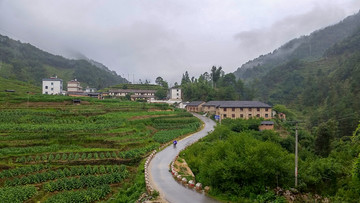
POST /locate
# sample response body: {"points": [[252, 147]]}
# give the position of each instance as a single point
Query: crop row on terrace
{"points": [[57, 152], [133, 153]]}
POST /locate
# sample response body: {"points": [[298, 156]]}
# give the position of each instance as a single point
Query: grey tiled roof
{"points": [[195, 103], [267, 123], [213, 103], [237, 104]]}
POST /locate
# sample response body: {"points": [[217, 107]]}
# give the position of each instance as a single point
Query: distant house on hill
{"points": [[133, 93], [52, 85], [238, 109], [281, 116], [194, 106]]}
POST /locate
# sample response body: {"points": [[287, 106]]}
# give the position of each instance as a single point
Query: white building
{"points": [[52, 85], [90, 89], [74, 86], [175, 94]]}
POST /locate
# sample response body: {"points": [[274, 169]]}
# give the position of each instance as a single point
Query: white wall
{"points": [[175, 94], [52, 87]]}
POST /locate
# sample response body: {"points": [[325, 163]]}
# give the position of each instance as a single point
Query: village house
{"points": [[74, 86], [52, 85], [90, 89], [281, 116], [195, 106], [237, 109], [243, 109], [175, 94], [134, 94]]}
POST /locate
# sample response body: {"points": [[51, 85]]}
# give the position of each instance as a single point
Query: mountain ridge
{"points": [[27, 63], [309, 48]]}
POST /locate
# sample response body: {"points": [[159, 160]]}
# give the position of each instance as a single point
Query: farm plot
{"points": [[52, 151]]}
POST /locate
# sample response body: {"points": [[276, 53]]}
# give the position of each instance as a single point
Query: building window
{"points": [[266, 115], [258, 109], [241, 109], [224, 115], [241, 116], [233, 115], [177, 90], [46, 93], [52, 89], [258, 115], [266, 109], [250, 109], [233, 109], [46, 87], [250, 115], [177, 94], [52, 83], [224, 109]]}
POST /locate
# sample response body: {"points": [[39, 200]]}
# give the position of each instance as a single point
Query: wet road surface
{"points": [[171, 190]]}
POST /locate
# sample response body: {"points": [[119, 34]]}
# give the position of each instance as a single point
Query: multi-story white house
{"points": [[74, 86], [175, 94], [52, 85]]}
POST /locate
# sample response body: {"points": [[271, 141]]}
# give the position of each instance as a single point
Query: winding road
{"points": [[171, 190]]}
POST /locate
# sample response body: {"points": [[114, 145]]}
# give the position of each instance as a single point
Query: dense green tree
{"points": [[325, 134]]}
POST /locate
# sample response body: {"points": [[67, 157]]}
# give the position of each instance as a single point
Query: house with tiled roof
{"points": [[238, 109], [195, 106], [243, 109]]}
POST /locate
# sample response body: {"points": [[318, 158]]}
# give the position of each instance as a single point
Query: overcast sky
{"points": [[150, 38]]}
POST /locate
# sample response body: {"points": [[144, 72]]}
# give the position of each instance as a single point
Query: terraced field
{"points": [[54, 151]]}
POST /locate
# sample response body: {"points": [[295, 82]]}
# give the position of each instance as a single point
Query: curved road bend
{"points": [[170, 190]]}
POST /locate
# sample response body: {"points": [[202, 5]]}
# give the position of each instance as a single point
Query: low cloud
{"points": [[267, 39]]}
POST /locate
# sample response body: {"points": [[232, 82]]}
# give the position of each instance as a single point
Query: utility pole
{"points": [[296, 155]]}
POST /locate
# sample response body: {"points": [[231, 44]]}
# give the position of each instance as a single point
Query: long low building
{"points": [[134, 94], [238, 109]]}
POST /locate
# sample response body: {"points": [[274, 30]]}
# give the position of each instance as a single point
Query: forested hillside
{"points": [[27, 63], [323, 90], [305, 48]]}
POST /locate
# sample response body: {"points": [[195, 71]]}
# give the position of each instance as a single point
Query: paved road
{"points": [[169, 189]]}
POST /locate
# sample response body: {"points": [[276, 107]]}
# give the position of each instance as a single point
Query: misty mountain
{"points": [[324, 89], [305, 48], [25, 62]]}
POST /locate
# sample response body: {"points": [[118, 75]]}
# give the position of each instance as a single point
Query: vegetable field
{"points": [[54, 151]]}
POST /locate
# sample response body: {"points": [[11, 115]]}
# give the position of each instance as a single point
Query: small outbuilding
{"points": [[266, 125], [76, 101]]}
